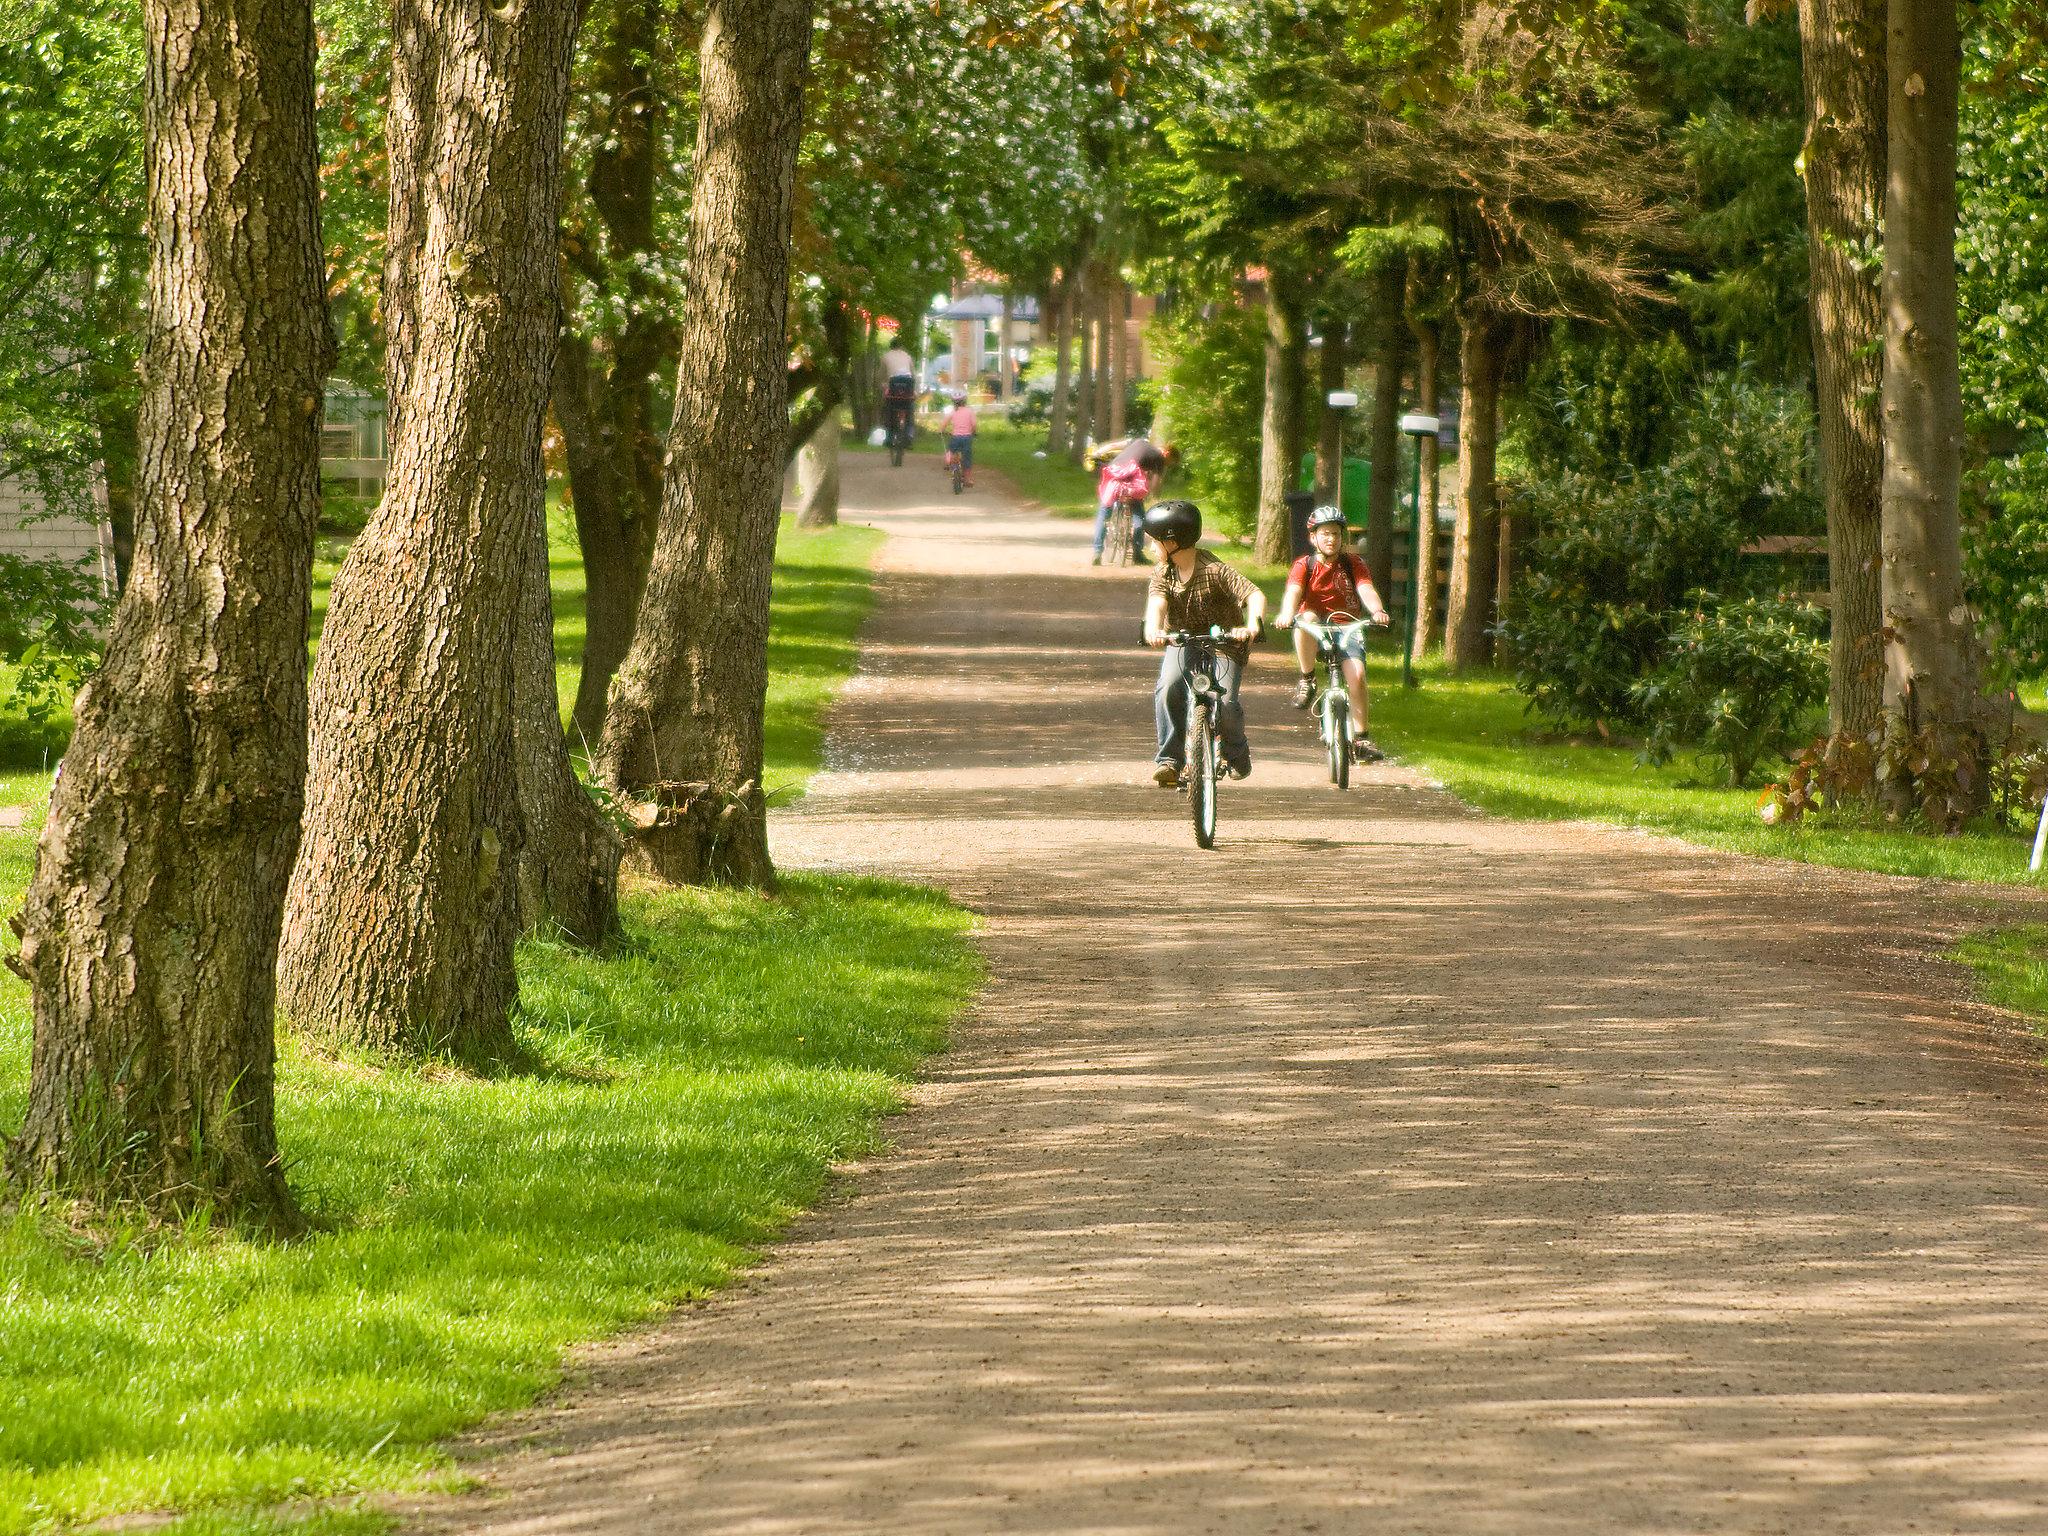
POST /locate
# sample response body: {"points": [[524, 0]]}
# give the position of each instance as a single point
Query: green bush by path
{"points": [[690, 1093]]}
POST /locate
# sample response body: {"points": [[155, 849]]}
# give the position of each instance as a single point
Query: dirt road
{"points": [[1390, 1169]]}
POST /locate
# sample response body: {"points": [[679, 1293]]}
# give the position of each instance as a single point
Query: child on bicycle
{"points": [[1192, 590], [1332, 584], [960, 424]]}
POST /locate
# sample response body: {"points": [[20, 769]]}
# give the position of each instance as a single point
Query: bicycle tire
{"points": [[896, 451], [959, 480], [1201, 772], [1337, 726]]}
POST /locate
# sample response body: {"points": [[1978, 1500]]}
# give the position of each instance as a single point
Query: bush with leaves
{"points": [[1215, 390], [1740, 678], [49, 618], [1616, 561]]}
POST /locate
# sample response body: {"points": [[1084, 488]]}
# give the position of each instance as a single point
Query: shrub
{"points": [[1738, 680], [49, 616], [1215, 390]]}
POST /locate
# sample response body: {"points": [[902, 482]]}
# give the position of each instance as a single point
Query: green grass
{"points": [[687, 1095], [2011, 966], [1056, 484]]}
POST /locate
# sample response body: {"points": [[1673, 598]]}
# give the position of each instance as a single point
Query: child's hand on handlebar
{"points": [[1383, 620]]}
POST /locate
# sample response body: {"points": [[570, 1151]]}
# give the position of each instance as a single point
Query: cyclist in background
{"points": [[1331, 583], [1192, 590], [1130, 476], [899, 392], [960, 433]]}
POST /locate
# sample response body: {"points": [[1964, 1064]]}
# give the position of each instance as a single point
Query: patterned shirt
{"points": [[1212, 593]]}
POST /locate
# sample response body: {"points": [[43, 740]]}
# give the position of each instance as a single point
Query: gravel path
{"points": [[1389, 1169]]}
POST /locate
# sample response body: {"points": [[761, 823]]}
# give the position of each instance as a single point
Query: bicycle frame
{"points": [[1205, 695]]}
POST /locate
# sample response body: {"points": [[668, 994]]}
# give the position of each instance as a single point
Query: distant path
{"points": [[1390, 1169]]}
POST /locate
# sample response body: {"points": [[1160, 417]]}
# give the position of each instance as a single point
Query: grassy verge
{"points": [[2011, 965], [1056, 484], [690, 1094]]}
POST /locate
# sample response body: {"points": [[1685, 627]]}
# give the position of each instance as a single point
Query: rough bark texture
{"points": [[817, 477], [1931, 672], [1469, 606], [605, 385], [405, 905], [1084, 373], [1333, 357], [1424, 553], [1062, 309], [1388, 361], [149, 935], [683, 731], [569, 864], [1842, 46], [1280, 424]]}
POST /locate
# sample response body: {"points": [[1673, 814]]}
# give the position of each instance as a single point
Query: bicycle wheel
{"points": [[959, 477], [1201, 772], [896, 449], [1337, 728]]}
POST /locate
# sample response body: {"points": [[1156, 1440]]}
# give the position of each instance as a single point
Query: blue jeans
{"points": [[1170, 709], [964, 446], [1137, 529]]}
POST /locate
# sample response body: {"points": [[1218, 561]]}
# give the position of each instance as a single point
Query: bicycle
{"points": [[1204, 761], [898, 408], [957, 462], [1332, 706]]}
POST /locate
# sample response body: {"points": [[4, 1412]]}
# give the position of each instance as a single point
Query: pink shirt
{"points": [[960, 421]]}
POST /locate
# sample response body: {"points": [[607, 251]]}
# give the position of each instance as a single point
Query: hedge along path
{"points": [[1390, 1168]]}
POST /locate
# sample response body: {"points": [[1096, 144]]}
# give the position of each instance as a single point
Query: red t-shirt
{"points": [[1325, 591]]}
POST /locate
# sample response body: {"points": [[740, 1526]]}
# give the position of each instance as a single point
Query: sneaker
{"points": [[1304, 692], [1365, 752], [1167, 775], [1098, 558]]}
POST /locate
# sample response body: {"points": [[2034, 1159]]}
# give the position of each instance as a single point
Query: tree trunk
{"points": [[149, 935], [1280, 424], [605, 386], [863, 390], [404, 907], [1084, 365], [1931, 675], [1008, 361], [817, 477], [1106, 381], [1469, 609], [1119, 361], [1424, 553], [1388, 362], [614, 536], [1333, 359], [683, 733], [1842, 46], [1062, 367], [569, 866]]}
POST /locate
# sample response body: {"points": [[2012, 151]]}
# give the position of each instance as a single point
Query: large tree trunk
{"points": [[405, 905], [149, 936], [1423, 555], [1280, 424], [1119, 360], [1931, 676], [1062, 310], [863, 388], [683, 734], [1842, 44], [569, 866], [1474, 559], [605, 386], [1388, 361], [817, 477], [1084, 371], [1106, 383], [1332, 360]]}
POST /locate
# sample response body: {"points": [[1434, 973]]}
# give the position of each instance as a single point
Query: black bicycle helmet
{"points": [[1323, 515], [1178, 521]]}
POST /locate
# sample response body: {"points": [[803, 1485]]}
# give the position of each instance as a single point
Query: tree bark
{"points": [[605, 386], [1280, 425], [1842, 47], [1106, 382], [817, 477], [863, 389], [1007, 362], [404, 908], [1469, 609], [569, 866], [1388, 362], [149, 936], [1331, 362], [683, 733], [1424, 553], [1062, 366], [1119, 360], [1084, 365], [1931, 673]]}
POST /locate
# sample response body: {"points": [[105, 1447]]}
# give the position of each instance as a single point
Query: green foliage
{"points": [[49, 613], [1741, 675], [1616, 561], [2011, 966], [1601, 403], [1215, 391]]}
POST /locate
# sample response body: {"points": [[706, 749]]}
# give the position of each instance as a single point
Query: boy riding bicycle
{"points": [[1331, 584], [1192, 591]]}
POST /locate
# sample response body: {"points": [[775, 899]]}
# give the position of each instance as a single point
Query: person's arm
{"points": [[1289, 601], [1375, 609], [1155, 621], [1254, 614]]}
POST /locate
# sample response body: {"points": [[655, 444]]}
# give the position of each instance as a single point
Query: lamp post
{"points": [[1417, 426], [1343, 402]]}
